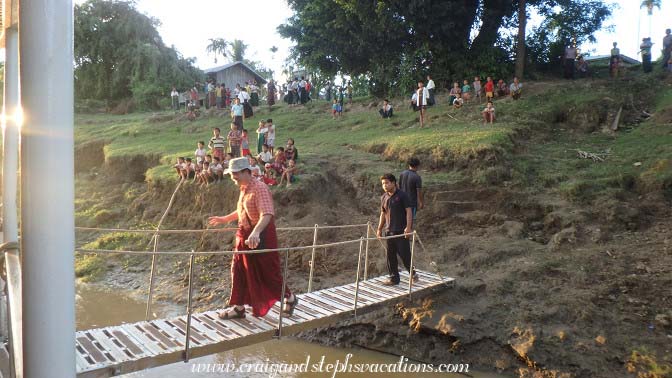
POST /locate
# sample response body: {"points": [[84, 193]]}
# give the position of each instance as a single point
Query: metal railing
{"points": [[363, 250]]}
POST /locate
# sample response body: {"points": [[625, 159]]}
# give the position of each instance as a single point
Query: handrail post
{"points": [[366, 252], [150, 294], [359, 262], [185, 355], [411, 270], [312, 260], [282, 295]]}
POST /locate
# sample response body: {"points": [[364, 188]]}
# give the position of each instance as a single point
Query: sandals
{"points": [[235, 314], [292, 305]]}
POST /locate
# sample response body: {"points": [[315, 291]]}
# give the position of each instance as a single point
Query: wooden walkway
{"points": [[110, 351]]}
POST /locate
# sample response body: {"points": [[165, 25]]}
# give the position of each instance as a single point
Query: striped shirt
{"points": [[254, 201], [217, 142]]}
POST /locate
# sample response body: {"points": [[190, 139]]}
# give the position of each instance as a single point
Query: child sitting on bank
{"points": [[291, 153], [489, 113], [254, 168], [289, 173], [386, 111], [466, 90], [279, 161], [188, 170], [269, 175], [458, 101], [179, 166], [265, 156], [198, 168], [217, 170], [205, 176]]}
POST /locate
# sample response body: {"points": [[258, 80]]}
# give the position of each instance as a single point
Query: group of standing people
{"points": [[297, 91]]}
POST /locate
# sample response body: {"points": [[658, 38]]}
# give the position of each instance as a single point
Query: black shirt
{"points": [[394, 207], [410, 182]]}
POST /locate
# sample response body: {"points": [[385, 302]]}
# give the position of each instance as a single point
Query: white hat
{"points": [[237, 165]]}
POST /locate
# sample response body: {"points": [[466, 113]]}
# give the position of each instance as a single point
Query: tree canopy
{"points": [[119, 54], [395, 43]]}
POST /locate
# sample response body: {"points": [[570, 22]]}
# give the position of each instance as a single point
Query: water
{"points": [[97, 307]]}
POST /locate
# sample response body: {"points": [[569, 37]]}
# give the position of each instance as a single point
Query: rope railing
{"points": [[231, 252], [226, 229]]}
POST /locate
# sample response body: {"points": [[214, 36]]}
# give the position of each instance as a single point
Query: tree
{"points": [[237, 53], [218, 46], [395, 43], [119, 54], [649, 4], [520, 54]]}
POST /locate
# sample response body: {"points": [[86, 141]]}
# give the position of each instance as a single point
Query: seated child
{"points": [[453, 92], [291, 153], [269, 175], [217, 170], [204, 177], [466, 90], [280, 160], [489, 113], [289, 173], [265, 156], [227, 158], [502, 88], [188, 170], [255, 170], [386, 111], [179, 166], [198, 168], [458, 102]]}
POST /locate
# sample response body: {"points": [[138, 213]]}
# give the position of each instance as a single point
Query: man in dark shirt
{"points": [[396, 218], [410, 183]]}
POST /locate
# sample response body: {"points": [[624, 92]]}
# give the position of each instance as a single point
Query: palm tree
{"points": [[649, 4], [218, 46], [237, 53]]}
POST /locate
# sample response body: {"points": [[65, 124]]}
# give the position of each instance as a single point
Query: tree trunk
{"points": [[520, 54], [494, 12]]}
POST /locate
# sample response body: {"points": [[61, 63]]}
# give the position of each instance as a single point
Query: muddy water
{"points": [[97, 307]]}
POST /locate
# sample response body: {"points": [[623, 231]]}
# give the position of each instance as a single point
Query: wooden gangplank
{"points": [[110, 351]]}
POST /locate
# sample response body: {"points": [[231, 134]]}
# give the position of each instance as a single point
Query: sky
{"points": [[190, 24]]}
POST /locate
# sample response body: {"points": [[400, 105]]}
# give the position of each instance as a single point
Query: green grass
{"points": [[372, 145]]}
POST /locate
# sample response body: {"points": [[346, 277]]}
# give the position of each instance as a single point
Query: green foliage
{"points": [[565, 22], [119, 54], [397, 43], [89, 267]]}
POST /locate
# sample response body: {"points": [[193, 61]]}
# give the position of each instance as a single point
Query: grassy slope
{"points": [[452, 133]]}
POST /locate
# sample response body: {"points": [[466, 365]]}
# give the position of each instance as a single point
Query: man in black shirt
{"points": [[410, 183], [396, 218]]}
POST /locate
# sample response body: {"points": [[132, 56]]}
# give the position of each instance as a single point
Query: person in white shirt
{"points": [[270, 135], [421, 98], [431, 87], [175, 97], [386, 111], [515, 89], [200, 152], [264, 156]]}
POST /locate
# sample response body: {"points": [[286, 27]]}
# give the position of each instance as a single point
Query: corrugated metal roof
{"points": [[260, 79], [624, 58]]}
